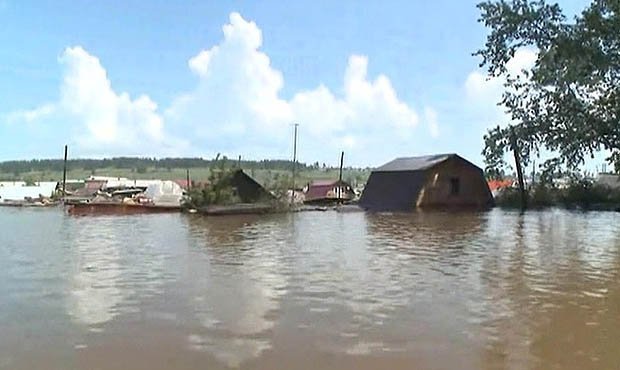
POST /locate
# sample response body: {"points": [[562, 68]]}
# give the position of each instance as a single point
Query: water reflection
{"points": [[96, 280], [362, 273], [244, 276], [444, 290], [429, 236], [118, 263], [547, 289]]}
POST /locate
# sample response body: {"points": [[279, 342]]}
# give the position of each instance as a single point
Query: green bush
{"points": [[219, 191], [579, 193]]}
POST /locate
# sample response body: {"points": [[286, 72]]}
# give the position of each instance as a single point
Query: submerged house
{"points": [[328, 191], [247, 189], [444, 180]]}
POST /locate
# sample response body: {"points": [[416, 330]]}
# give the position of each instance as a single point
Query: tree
{"points": [[569, 101]]}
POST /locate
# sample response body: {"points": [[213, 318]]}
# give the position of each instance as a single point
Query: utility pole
{"points": [[189, 186], [64, 175], [340, 176], [294, 161], [341, 163]]}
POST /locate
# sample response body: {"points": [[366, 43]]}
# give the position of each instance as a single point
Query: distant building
{"points": [[609, 180], [444, 180], [496, 186], [20, 191], [328, 191], [88, 189]]}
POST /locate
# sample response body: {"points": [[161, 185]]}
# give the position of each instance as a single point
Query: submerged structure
{"points": [[231, 192], [434, 181], [121, 195], [247, 189], [328, 191]]}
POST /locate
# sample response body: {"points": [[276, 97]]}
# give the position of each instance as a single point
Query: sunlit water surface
{"points": [[324, 290]]}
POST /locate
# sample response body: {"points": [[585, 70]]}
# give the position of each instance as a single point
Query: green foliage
{"points": [[200, 170], [281, 184], [218, 192], [494, 173], [569, 101], [29, 181], [580, 193], [584, 193]]}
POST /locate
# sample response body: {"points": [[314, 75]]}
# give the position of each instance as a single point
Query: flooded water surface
{"points": [[324, 290]]}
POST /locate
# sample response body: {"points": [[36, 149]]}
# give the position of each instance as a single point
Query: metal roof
{"points": [[319, 189], [414, 163], [323, 182]]}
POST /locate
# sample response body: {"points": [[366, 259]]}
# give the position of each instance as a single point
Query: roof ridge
{"points": [[415, 163], [427, 155]]}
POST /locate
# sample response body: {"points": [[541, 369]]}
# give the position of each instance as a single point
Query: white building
{"points": [[18, 191]]}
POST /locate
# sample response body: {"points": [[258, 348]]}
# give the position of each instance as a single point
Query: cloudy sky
{"points": [[196, 78]]}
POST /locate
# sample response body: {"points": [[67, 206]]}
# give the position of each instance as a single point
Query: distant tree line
{"points": [[140, 164]]}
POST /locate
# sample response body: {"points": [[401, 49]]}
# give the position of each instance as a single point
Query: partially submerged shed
{"points": [[248, 189], [434, 181]]}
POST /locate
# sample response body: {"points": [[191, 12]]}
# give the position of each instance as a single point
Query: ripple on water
{"points": [[427, 286]]}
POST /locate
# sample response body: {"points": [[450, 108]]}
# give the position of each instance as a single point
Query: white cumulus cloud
{"points": [[236, 107], [108, 118], [237, 102], [101, 121], [29, 116]]}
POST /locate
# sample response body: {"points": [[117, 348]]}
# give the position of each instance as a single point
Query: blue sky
{"points": [[376, 79]]}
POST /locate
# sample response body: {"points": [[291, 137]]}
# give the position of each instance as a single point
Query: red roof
{"points": [[318, 189], [500, 184]]}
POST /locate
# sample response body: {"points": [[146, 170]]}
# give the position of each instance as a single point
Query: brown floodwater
{"points": [[325, 290]]}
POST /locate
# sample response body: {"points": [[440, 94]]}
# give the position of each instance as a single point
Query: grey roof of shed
{"points": [[414, 163]]}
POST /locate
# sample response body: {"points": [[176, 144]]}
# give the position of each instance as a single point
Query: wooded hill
{"points": [[268, 171]]}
